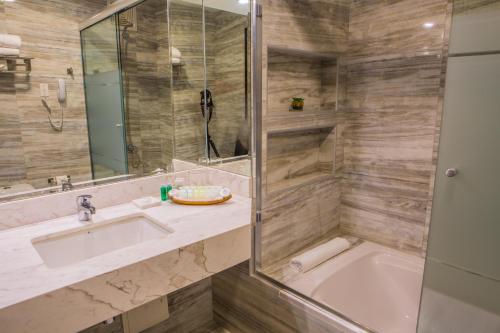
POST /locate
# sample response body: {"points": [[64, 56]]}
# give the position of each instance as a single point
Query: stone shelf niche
{"points": [[297, 157], [296, 73]]}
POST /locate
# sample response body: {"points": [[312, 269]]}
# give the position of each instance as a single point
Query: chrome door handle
{"points": [[452, 172], [119, 125]]}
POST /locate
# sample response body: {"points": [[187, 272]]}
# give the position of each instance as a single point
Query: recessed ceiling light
{"points": [[242, 2], [428, 25]]}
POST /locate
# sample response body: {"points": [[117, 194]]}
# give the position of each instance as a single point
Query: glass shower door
{"points": [[461, 290], [103, 94]]}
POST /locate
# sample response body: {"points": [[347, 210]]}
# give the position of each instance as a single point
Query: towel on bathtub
{"points": [[319, 254], [10, 41], [176, 53], [4, 51]]}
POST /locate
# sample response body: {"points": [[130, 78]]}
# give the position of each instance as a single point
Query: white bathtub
{"points": [[375, 286]]}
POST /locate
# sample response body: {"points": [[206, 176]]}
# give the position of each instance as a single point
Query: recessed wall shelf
{"points": [[300, 156], [294, 121], [295, 73], [15, 63]]}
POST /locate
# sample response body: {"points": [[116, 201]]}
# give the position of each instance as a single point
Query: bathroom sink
{"points": [[75, 245]]}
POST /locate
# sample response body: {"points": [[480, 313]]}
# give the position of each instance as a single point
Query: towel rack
{"points": [[14, 63]]}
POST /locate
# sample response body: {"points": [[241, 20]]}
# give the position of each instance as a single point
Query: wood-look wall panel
{"points": [[288, 24], [391, 119], [381, 30]]}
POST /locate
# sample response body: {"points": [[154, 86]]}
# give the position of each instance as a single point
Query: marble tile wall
{"points": [[392, 108], [50, 35]]}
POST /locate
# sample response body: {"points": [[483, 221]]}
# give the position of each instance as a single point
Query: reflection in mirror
{"points": [[144, 55], [188, 77], [127, 86], [123, 96], [43, 136], [227, 25]]}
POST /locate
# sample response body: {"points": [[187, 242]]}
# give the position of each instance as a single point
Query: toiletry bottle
{"points": [[163, 193]]}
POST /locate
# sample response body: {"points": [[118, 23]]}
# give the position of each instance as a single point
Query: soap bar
{"points": [[146, 202]]}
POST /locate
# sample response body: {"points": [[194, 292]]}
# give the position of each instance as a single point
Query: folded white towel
{"points": [[176, 53], [319, 254], [176, 61], [10, 41], [4, 51]]}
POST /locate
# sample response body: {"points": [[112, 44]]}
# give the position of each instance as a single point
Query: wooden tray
{"points": [[177, 196]]}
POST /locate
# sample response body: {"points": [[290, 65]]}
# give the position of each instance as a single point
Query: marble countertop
{"points": [[24, 275]]}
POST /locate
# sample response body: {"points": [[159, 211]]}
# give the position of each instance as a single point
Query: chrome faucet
{"points": [[66, 184], [84, 207]]}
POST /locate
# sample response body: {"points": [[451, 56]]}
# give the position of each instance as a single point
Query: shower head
{"points": [[125, 33]]}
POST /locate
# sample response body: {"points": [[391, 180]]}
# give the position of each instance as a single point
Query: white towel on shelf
{"points": [[10, 41], [176, 61], [4, 51], [176, 53], [319, 254]]}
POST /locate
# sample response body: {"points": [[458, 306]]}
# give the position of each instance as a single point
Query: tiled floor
{"points": [[212, 327]]}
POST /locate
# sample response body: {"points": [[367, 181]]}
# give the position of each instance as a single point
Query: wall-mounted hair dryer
{"points": [[61, 97], [61, 91]]}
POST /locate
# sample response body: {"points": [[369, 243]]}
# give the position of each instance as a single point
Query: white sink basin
{"points": [[75, 245]]}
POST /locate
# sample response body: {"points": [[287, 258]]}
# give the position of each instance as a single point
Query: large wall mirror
{"points": [[102, 90]]}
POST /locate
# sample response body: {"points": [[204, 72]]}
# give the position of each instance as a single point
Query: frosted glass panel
{"points": [[465, 229], [472, 19]]}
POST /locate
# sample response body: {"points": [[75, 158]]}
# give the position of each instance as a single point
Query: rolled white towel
{"points": [[10, 41], [176, 53], [4, 51], [319, 254]]}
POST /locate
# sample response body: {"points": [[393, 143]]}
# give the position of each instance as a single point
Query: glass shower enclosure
{"points": [[104, 98]]}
